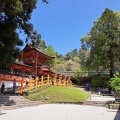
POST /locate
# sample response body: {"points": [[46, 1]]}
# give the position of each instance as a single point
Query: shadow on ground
{"points": [[2, 113], [6, 101], [117, 116]]}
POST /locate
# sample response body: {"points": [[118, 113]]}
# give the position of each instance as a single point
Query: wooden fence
{"points": [[39, 82]]}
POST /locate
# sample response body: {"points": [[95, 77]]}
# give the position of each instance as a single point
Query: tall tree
{"points": [[50, 51], [14, 16], [42, 45], [83, 54], [103, 40]]}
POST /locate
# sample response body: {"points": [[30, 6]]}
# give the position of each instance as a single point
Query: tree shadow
{"points": [[5, 100], [1, 113], [117, 116]]}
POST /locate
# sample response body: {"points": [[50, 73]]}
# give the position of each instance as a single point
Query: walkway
{"points": [[63, 112], [60, 112], [11, 101], [99, 100]]}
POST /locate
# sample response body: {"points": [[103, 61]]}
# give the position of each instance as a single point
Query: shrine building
{"points": [[32, 65]]}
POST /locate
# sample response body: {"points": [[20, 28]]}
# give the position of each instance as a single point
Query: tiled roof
{"points": [[29, 47]]}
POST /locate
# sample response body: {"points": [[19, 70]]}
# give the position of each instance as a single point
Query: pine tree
{"points": [[14, 17], [103, 40]]}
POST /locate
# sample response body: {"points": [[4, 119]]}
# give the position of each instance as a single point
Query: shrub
{"points": [[115, 83]]}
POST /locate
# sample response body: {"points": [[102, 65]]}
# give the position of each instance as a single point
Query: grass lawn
{"points": [[56, 94]]}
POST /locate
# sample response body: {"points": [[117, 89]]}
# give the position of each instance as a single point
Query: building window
{"points": [[27, 73], [4, 70], [17, 72]]}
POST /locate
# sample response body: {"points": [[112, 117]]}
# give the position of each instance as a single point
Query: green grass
{"points": [[55, 94]]}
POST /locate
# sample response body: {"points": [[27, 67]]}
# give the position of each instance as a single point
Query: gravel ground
{"points": [[60, 112]]}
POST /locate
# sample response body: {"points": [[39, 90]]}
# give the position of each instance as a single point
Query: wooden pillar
{"points": [[48, 80], [59, 81], [29, 85], [36, 83], [67, 81], [55, 80], [64, 83], [42, 81], [70, 83], [21, 87], [0, 81]]}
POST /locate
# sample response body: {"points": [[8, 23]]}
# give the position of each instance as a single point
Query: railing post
{"points": [[48, 78], [70, 83], [42, 81], [59, 81], [29, 85], [55, 80], [21, 87], [36, 83], [67, 81], [64, 83]]}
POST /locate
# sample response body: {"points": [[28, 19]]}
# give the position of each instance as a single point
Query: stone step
{"points": [[29, 104], [95, 103], [11, 99], [8, 101], [13, 103]]}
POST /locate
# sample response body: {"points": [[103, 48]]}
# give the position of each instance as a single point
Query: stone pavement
{"points": [[60, 112], [65, 111], [12, 101], [98, 100]]}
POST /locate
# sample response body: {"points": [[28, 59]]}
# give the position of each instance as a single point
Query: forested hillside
{"points": [[74, 60], [99, 51]]}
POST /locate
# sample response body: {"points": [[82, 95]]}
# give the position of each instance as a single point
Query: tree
{"points": [[50, 51], [83, 54], [103, 40], [14, 17], [74, 52], [42, 45]]}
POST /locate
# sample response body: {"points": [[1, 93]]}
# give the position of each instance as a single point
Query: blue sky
{"points": [[62, 23]]}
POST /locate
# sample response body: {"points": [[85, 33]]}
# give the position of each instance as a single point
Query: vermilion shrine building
{"points": [[33, 64]]}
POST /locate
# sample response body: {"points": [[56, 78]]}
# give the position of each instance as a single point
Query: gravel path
{"points": [[60, 112]]}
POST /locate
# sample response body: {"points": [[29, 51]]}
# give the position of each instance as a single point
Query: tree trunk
{"points": [[111, 73], [112, 70]]}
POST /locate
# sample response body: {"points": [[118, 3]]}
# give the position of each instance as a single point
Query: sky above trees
{"points": [[62, 23]]}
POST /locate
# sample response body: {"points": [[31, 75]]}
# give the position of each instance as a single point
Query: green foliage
{"points": [[84, 55], [104, 37], [76, 74], [115, 83], [71, 54], [98, 82], [42, 45], [50, 51], [14, 19], [59, 95], [14, 16]]}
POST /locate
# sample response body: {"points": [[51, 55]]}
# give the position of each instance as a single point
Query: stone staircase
{"points": [[11, 101], [96, 100], [95, 103]]}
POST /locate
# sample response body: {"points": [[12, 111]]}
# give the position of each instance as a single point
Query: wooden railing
{"points": [[39, 82]]}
